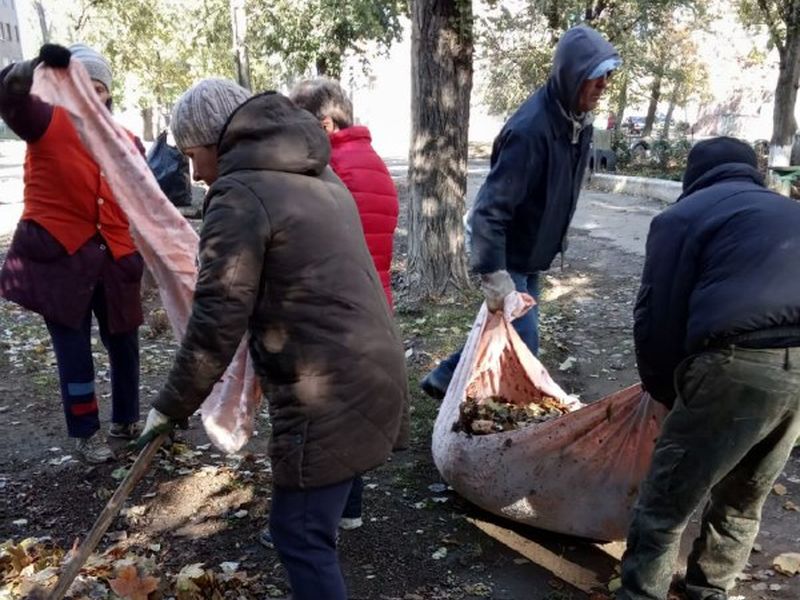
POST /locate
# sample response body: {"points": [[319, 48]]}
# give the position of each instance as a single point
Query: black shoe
{"points": [[697, 594], [433, 386]]}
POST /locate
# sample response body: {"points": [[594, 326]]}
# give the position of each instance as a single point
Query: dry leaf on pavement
{"points": [[131, 586], [779, 489], [788, 563]]}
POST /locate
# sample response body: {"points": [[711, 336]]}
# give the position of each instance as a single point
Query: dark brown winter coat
{"points": [[282, 255]]}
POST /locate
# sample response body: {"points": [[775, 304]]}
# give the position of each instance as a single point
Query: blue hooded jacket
{"points": [[524, 207]]}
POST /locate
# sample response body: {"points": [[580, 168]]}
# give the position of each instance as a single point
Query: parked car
{"points": [[634, 125]]}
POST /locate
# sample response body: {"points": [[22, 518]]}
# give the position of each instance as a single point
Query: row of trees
{"points": [[654, 37], [162, 46]]}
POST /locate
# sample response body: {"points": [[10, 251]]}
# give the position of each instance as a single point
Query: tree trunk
{"points": [[784, 125], [441, 84], [147, 124], [622, 104], [239, 23], [673, 100], [655, 96], [42, 21], [321, 65]]}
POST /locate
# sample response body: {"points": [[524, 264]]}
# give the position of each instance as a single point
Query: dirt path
{"points": [[200, 506]]}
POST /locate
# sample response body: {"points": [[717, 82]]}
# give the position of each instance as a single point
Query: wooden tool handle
{"points": [[138, 469]]}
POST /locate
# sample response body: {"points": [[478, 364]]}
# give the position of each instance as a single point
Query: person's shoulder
{"points": [[357, 155], [676, 215], [531, 121], [531, 112]]}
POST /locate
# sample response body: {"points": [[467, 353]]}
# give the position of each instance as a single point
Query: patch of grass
{"points": [[432, 332], [45, 382]]}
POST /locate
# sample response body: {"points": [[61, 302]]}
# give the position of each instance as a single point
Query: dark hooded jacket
{"points": [[282, 255], [721, 266], [524, 207]]}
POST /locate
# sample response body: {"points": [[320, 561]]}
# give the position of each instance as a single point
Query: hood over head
{"points": [[709, 154], [268, 132], [581, 54]]}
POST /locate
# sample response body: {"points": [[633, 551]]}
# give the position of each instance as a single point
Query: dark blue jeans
{"points": [[73, 349], [352, 510], [303, 525], [527, 327]]}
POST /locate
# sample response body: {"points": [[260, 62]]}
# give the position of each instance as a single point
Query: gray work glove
{"points": [[496, 286], [19, 78]]}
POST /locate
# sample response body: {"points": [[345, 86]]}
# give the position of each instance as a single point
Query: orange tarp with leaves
{"points": [[577, 474]]}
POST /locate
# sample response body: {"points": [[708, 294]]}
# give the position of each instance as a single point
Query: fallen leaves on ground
{"points": [[131, 585], [194, 581], [789, 505], [27, 565], [32, 566]]}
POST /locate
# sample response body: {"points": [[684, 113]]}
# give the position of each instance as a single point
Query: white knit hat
{"points": [[95, 63], [200, 114]]}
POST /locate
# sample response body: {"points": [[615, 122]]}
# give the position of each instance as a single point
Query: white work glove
{"points": [[496, 286], [155, 419]]}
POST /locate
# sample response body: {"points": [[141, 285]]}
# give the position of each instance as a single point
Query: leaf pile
{"points": [[494, 414], [30, 569], [27, 566], [196, 582]]}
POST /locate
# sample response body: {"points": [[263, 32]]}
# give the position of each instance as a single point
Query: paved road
{"points": [[623, 220], [619, 219]]}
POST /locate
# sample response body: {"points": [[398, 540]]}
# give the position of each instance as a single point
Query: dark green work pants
{"points": [[729, 435]]}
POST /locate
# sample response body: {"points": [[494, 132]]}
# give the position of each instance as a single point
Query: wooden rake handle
{"points": [[138, 469]]}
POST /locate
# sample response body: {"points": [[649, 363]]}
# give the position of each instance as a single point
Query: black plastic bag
{"points": [[171, 170]]}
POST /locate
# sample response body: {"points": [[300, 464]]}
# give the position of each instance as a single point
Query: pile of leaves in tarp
{"points": [[481, 416], [30, 568]]}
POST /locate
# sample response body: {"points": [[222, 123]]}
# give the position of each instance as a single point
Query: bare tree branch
{"points": [[84, 14], [772, 25]]}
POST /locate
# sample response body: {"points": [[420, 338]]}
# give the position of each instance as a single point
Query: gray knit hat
{"points": [[202, 111], [95, 63]]}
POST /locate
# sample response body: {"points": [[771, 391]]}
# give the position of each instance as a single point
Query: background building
{"points": [[10, 47]]}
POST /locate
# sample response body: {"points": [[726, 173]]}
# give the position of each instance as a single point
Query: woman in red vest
{"points": [[72, 254], [365, 175]]}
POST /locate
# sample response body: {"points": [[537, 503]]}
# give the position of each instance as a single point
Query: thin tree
{"points": [[242, 61], [43, 25]]}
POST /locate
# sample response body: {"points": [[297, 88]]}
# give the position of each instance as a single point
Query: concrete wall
{"points": [[658, 189]]}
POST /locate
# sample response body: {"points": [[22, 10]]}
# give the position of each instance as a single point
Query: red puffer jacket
{"points": [[364, 173]]}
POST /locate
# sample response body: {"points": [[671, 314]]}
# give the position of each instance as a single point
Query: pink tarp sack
{"points": [[577, 474], [164, 238]]}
